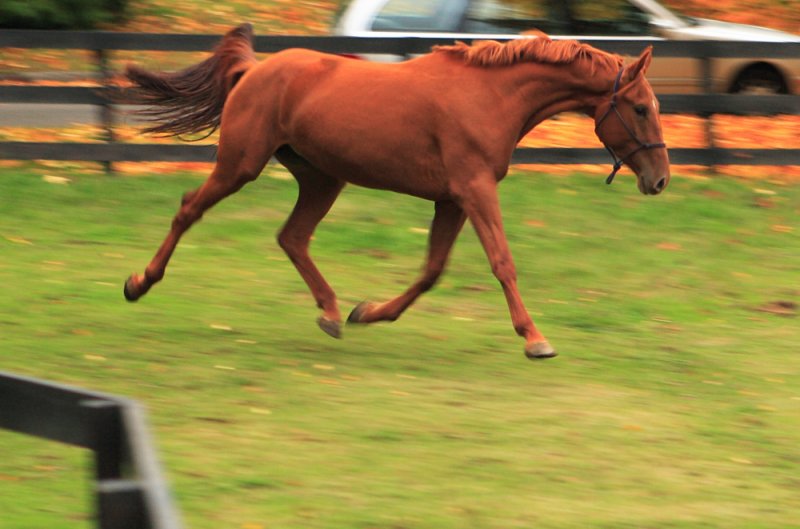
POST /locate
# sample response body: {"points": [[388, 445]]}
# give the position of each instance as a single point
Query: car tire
{"points": [[759, 79]]}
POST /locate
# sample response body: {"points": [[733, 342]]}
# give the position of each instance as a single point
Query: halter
{"points": [[619, 161]]}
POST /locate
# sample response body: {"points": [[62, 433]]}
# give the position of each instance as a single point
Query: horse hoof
{"points": [[331, 327], [539, 350], [358, 313], [130, 290]]}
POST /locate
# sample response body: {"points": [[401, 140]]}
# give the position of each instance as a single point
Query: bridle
{"points": [[619, 161]]}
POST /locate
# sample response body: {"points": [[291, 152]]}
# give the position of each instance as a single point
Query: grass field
{"points": [[675, 401]]}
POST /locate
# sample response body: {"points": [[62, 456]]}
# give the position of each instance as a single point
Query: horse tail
{"points": [[191, 100]]}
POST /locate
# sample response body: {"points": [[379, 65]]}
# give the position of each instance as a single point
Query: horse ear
{"points": [[640, 66]]}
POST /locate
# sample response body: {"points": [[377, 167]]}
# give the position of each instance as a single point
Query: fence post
{"points": [[705, 72], [106, 437], [106, 109]]}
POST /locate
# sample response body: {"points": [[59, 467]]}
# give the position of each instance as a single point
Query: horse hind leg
{"points": [[226, 179], [317, 193]]}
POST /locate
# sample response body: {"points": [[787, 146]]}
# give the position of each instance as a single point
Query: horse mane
{"points": [[542, 49]]}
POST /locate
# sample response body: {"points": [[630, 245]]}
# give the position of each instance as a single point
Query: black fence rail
{"points": [[130, 490], [103, 43]]}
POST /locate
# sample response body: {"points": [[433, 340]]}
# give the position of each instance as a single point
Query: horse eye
{"points": [[641, 110]]}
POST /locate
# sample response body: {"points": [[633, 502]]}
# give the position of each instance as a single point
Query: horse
{"points": [[441, 127]]}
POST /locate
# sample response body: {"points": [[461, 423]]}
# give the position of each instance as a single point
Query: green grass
{"points": [[674, 402]]}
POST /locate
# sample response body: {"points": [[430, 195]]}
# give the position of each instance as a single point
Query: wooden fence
{"points": [[130, 490], [104, 43]]}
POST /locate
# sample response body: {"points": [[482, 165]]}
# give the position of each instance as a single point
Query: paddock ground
{"points": [[673, 404]]}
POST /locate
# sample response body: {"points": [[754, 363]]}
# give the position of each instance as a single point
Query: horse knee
{"points": [[291, 243], [283, 241], [504, 271]]}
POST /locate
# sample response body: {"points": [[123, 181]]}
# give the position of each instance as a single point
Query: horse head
{"points": [[629, 125]]}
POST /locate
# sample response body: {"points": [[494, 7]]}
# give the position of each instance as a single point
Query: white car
{"points": [[629, 19]]}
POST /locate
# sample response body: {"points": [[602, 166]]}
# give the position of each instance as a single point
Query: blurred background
{"points": [[743, 22]]}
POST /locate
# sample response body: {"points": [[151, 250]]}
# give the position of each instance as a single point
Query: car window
{"points": [[557, 17], [420, 15], [509, 16], [608, 18]]}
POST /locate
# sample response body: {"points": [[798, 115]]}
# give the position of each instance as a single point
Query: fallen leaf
{"points": [[779, 308], [17, 240], [669, 246], [61, 180]]}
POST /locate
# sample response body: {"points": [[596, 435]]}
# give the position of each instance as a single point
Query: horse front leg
{"points": [[447, 223], [483, 209]]}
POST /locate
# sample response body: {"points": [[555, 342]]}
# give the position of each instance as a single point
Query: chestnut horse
{"points": [[440, 127]]}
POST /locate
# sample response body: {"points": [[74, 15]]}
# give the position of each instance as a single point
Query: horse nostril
{"points": [[661, 184]]}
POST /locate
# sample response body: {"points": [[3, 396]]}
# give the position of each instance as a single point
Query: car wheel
{"points": [[759, 79]]}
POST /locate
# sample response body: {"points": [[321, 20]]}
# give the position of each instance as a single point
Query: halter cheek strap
{"points": [[620, 161]]}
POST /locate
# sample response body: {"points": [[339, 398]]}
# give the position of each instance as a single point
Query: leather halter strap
{"points": [[620, 160]]}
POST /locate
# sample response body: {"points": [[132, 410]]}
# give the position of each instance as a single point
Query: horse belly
{"points": [[374, 147]]}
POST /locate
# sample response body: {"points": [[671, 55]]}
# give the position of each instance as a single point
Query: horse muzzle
{"points": [[652, 186]]}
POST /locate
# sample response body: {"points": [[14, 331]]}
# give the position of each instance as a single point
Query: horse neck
{"points": [[544, 90]]}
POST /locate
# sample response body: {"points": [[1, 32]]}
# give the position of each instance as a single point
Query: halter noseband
{"points": [[619, 161]]}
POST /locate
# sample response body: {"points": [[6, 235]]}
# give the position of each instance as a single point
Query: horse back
{"points": [[393, 126]]}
